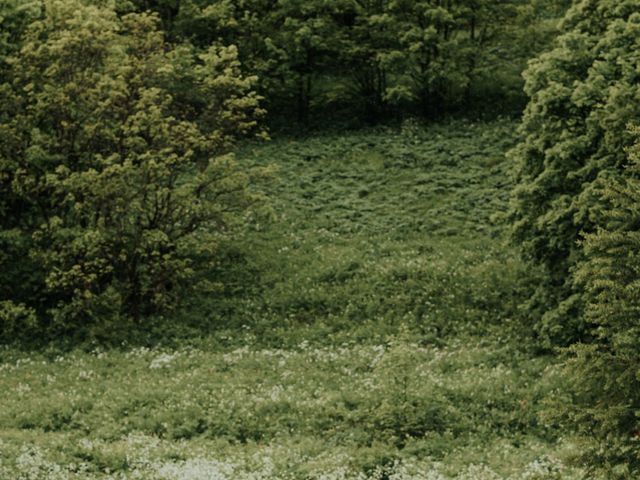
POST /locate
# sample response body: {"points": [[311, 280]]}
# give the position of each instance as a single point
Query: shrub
{"points": [[113, 157]]}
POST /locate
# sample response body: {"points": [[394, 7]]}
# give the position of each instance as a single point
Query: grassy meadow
{"points": [[367, 327]]}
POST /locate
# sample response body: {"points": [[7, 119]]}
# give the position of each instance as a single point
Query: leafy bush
{"points": [[113, 157]]}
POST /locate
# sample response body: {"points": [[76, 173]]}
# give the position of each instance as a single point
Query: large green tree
{"points": [[605, 373], [116, 179], [582, 95]]}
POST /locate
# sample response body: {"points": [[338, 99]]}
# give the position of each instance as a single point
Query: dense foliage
{"points": [[583, 94], [116, 187], [575, 213], [369, 59], [605, 371]]}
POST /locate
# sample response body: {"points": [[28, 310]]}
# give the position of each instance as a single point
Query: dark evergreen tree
{"points": [[605, 373]]}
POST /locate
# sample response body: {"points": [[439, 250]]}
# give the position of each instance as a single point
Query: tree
{"points": [[604, 373], [431, 56], [302, 37], [167, 10], [287, 44], [367, 39], [114, 156], [15, 15], [372, 57], [582, 95], [500, 38]]}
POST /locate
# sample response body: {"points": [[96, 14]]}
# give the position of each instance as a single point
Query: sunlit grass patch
{"points": [[355, 409]]}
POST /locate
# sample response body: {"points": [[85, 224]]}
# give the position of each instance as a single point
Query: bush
{"points": [[113, 154]]}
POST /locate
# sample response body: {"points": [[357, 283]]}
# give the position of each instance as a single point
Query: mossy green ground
{"points": [[369, 328]]}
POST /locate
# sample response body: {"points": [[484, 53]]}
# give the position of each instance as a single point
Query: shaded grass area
{"points": [[378, 228], [368, 330]]}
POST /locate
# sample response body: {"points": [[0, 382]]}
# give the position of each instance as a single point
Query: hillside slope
{"points": [[365, 331]]}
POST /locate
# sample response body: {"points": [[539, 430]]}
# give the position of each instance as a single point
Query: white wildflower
{"points": [[196, 469], [164, 360], [85, 375]]}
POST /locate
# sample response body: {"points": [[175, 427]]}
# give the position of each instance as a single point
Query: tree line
{"points": [[371, 59]]}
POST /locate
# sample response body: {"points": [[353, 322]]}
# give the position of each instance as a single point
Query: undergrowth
{"points": [[374, 229], [366, 330]]}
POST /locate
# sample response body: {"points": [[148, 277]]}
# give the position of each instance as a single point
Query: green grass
{"points": [[376, 229], [307, 410], [368, 330]]}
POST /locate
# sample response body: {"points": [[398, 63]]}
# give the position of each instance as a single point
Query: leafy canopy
{"points": [[114, 157]]}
